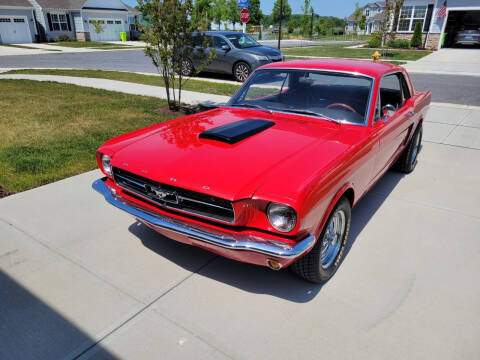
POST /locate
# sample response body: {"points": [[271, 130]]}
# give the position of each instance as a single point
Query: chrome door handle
{"points": [[411, 113]]}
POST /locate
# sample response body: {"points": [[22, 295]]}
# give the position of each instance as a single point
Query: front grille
{"points": [[176, 198]]}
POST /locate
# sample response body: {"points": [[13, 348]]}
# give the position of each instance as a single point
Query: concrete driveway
{"points": [[448, 61], [80, 279]]}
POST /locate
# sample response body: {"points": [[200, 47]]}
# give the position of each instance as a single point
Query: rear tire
{"points": [[187, 68], [241, 71], [319, 265], [408, 160]]}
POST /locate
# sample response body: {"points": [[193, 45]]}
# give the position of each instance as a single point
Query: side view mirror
{"points": [[388, 111], [225, 47]]}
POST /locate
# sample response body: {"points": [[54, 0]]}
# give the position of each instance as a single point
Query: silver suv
{"points": [[237, 54]]}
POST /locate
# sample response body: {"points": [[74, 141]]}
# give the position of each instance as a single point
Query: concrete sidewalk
{"points": [[188, 97]]}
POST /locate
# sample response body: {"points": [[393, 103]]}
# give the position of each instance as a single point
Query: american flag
{"points": [[442, 10]]}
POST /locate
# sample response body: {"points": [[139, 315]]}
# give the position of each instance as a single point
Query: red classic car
{"points": [[271, 177]]}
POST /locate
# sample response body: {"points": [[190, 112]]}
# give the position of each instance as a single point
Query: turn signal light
{"points": [[274, 264]]}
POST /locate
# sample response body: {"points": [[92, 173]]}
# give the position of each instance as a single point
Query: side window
{"points": [[218, 42], [391, 91]]}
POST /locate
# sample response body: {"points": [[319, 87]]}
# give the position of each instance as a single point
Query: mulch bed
{"points": [[4, 192]]}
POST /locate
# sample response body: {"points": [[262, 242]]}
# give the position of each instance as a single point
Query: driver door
{"points": [[392, 131]]}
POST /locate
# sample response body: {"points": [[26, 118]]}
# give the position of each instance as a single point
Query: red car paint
{"points": [[304, 162]]}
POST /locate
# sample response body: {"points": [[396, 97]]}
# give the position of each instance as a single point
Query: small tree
{"points": [[362, 23], [233, 12], [292, 24], [416, 40], [97, 26], [357, 14], [168, 35]]}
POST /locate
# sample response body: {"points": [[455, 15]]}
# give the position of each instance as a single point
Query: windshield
{"points": [[242, 41], [334, 96]]}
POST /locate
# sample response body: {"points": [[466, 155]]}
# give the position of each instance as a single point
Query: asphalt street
{"points": [[453, 89]]}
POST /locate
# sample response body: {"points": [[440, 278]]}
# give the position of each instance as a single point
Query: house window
{"points": [[410, 15], [18, 20], [118, 21], [4, 20], [367, 12], [59, 22], [109, 21]]}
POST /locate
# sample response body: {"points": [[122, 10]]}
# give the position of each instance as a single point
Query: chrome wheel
{"points": [[187, 68], [416, 147], [241, 72], [332, 240]]}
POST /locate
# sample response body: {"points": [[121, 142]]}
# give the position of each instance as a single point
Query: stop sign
{"points": [[244, 15]]}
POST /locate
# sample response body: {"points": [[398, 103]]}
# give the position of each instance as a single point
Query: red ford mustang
{"points": [[271, 178]]}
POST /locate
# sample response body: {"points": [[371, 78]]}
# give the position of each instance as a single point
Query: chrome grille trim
{"points": [[175, 198]]}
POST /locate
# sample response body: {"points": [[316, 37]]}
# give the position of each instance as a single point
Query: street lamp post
{"points": [[280, 23]]}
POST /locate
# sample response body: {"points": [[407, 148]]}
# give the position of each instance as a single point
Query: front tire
{"points": [[241, 71], [408, 160], [319, 265]]}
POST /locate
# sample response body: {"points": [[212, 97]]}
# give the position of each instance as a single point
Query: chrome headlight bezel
{"points": [[107, 168], [282, 217]]}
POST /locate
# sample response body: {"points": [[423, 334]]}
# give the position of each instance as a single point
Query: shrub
{"points": [[64, 37], [375, 40], [399, 43], [417, 36], [292, 24]]}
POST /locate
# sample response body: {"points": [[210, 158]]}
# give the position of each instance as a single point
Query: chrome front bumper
{"points": [[240, 242]]}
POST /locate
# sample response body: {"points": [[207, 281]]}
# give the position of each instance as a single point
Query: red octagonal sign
{"points": [[244, 15]]}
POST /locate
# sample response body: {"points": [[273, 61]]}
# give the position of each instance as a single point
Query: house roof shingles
{"points": [[22, 3], [61, 4]]}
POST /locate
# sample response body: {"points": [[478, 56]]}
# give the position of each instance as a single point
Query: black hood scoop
{"points": [[236, 131]]}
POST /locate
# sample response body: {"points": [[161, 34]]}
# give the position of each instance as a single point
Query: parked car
{"points": [[468, 37], [236, 53], [271, 178]]}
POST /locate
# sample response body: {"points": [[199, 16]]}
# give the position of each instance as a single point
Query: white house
{"points": [[45, 20], [373, 13], [439, 25]]}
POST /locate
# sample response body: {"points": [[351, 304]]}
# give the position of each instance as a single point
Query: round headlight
{"points": [[282, 217], [106, 164]]}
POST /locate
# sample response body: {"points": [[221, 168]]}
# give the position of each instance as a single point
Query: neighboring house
{"points": [[373, 13], [17, 22], [440, 19]]}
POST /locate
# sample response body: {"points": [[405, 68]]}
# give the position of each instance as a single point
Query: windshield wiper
{"points": [[253, 106], [309, 112]]}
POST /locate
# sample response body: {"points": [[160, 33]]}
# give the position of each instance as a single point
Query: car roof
{"points": [[365, 67]]}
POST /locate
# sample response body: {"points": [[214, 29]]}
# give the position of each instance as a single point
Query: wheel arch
{"points": [[238, 61], [346, 191]]}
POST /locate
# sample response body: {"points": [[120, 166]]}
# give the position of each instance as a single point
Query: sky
{"points": [[338, 8]]}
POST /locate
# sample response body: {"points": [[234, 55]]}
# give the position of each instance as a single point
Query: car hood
{"points": [[264, 50], [175, 154]]}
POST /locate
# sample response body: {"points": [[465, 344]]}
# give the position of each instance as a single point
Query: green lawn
{"points": [[51, 131], [191, 84], [87, 44], [342, 51]]}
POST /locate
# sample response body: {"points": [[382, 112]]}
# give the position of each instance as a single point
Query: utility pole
{"points": [[280, 23]]}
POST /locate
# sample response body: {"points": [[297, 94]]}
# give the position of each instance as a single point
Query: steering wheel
{"points": [[342, 105]]}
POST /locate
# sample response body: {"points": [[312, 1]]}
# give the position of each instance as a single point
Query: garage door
{"points": [[14, 30], [111, 29], [463, 29]]}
